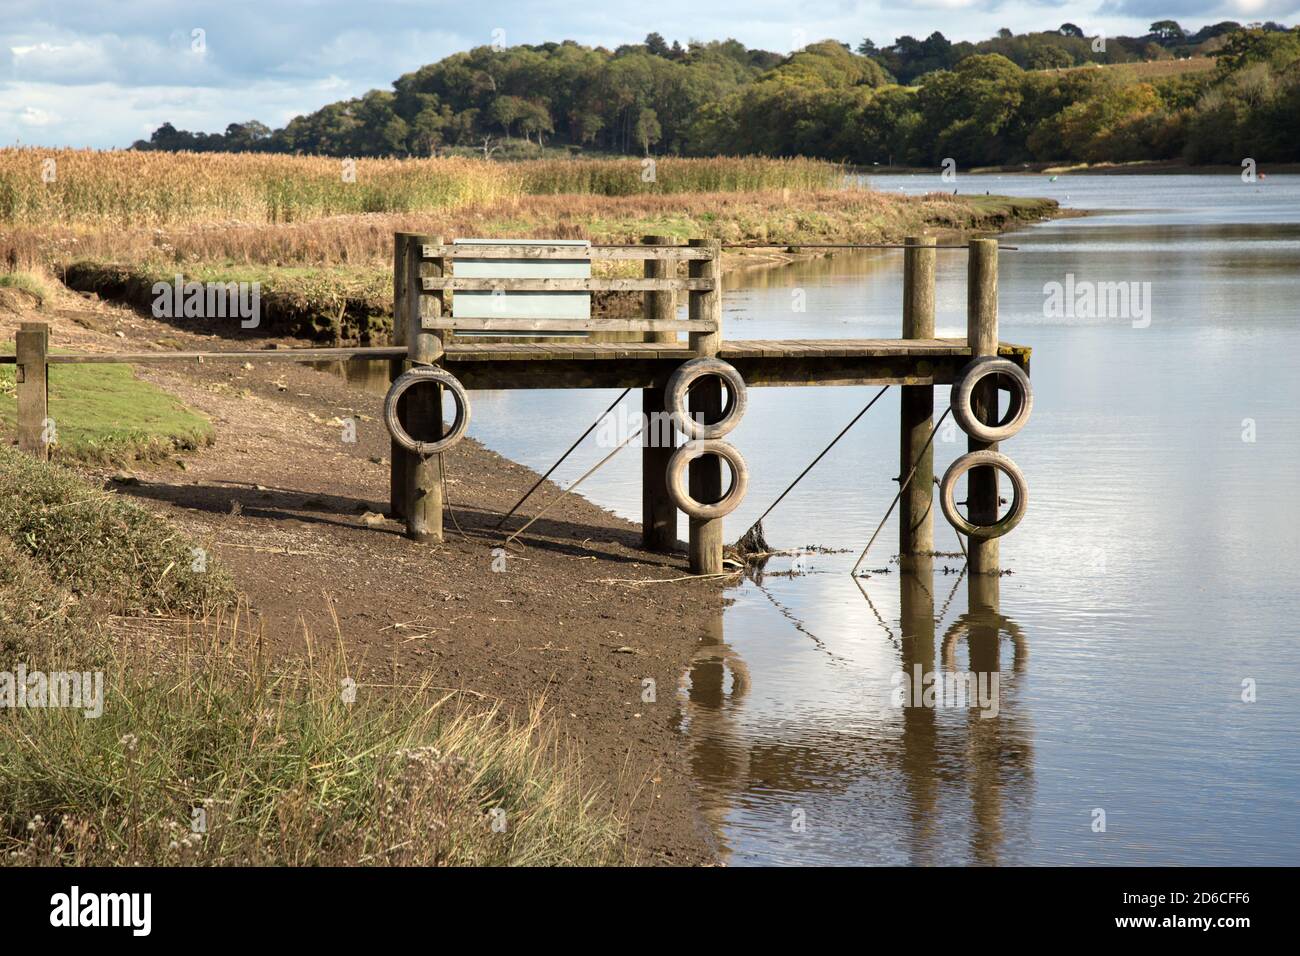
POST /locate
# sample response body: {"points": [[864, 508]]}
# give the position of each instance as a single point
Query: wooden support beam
{"points": [[658, 513], [669, 328], [398, 466], [705, 479], [665, 252], [31, 345], [454, 284], [916, 410], [424, 474], [982, 335]]}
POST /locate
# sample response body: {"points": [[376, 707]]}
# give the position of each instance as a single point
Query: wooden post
{"points": [[31, 345], [658, 513], [424, 408], [398, 466], [916, 409], [982, 335], [705, 545]]}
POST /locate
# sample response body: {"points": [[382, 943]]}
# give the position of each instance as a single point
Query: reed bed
{"points": [[126, 188]]}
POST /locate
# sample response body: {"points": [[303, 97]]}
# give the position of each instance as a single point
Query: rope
{"points": [[901, 488], [539, 481], [571, 487], [446, 496], [844, 432]]}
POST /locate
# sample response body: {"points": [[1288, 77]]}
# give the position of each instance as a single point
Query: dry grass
{"points": [[124, 188], [212, 759], [760, 216]]}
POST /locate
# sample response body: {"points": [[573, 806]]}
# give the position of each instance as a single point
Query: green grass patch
{"points": [[101, 547], [103, 413], [28, 282], [283, 769]]}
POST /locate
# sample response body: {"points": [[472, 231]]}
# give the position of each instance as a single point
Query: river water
{"points": [[1153, 577]]}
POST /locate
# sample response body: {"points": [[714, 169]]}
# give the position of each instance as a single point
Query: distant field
{"points": [[133, 189], [1153, 69]]}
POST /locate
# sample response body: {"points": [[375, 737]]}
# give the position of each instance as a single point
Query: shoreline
{"points": [[1145, 167], [581, 619]]}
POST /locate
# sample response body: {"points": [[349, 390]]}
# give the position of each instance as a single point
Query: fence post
{"points": [[423, 347], [398, 466], [982, 335], [916, 409], [658, 513], [705, 480], [31, 345]]}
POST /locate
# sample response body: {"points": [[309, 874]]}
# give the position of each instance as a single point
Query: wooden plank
{"points": [[670, 327], [31, 345], [916, 413], [524, 251], [453, 284], [247, 355]]}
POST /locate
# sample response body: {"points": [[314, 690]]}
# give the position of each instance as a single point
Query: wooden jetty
{"points": [[510, 291]]}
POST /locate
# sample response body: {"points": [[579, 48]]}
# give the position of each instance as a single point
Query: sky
{"points": [[104, 73]]}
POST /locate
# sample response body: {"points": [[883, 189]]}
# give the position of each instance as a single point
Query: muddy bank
{"points": [[296, 514]]}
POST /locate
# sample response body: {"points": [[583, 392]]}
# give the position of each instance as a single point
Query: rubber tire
{"points": [[418, 375], [1022, 398], [976, 459], [679, 383], [679, 488]]}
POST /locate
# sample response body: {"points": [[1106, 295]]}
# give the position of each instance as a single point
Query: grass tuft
{"points": [[214, 760], [100, 546]]}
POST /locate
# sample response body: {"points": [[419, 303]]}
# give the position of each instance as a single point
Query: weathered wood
{"points": [[661, 252], [705, 479], [501, 365], [916, 410], [658, 513], [578, 348], [398, 466], [667, 329], [982, 335], [31, 346], [233, 355], [454, 284], [424, 481]]}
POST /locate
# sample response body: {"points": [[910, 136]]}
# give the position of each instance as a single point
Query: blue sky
{"points": [[103, 73]]}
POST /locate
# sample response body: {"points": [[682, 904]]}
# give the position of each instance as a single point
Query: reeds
{"points": [[128, 188]]}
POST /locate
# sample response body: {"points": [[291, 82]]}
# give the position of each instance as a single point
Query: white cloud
{"points": [[84, 72]]}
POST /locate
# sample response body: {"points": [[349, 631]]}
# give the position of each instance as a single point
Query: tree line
{"points": [[1009, 99]]}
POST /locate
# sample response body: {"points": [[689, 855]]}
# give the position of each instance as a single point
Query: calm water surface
{"points": [[1155, 571]]}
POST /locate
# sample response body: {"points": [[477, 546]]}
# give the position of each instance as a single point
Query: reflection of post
{"points": [[920, 733], [720, 764], [916, 409], [984, 597], [982, 335], [985, 625]]}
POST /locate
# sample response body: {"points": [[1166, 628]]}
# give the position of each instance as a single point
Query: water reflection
{"points": [[918, 781]]}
